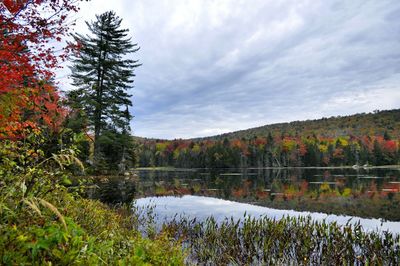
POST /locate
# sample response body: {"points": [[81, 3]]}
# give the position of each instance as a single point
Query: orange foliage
{"points": [[261, 194], [239, 192], [30, 108], [260, 142], [302, 149], [27, 63]]}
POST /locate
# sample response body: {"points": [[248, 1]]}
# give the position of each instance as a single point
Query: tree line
{"points": [[270, 151]]}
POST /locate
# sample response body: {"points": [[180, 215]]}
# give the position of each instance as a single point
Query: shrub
{"points": [[42, 223]]}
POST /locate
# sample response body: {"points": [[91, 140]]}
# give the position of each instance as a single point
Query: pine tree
{"points": [[102, 74]]}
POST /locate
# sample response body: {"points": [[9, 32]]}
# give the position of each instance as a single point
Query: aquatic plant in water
{"points": [[291, 240]]}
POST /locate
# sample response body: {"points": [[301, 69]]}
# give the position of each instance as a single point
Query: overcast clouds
{"points": [[213, 66]]}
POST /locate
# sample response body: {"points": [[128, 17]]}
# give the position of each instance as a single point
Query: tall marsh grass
{"points": [[289, 241]]}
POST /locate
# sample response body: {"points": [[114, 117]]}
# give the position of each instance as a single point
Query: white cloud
{"points": [[212, 66]]}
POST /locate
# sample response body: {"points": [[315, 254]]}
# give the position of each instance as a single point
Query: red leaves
{"points": [[390, 146], [338, 153], [14, 5], [260, 142], [51, 106], [24, 39], [302, 149], [27, 63], [32, 108]]}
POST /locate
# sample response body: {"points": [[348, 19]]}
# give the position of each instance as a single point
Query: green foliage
{"points": [[42, 223], [74, 132], [117, 151], [102, 77]]}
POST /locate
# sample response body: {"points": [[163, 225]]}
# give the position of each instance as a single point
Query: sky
{"points": [[216, 66]]}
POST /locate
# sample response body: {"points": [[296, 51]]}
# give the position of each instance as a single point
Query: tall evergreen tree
{"points": [[102, 74]]}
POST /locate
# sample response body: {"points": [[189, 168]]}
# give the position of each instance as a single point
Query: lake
{"points": [[367, 193]]}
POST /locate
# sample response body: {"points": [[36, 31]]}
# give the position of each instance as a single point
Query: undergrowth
{"points": [[43, 224]]}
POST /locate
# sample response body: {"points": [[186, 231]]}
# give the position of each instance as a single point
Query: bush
{"points": [[42, 223]]}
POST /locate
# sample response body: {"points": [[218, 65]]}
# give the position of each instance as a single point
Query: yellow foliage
{"points": [[196, 148], [161, 146], [325, 187], [347, 192], [288, 144], [343, 142], [323, 148]]}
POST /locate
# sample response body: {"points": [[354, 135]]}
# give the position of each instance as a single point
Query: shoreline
{"points": [[170, 168]]}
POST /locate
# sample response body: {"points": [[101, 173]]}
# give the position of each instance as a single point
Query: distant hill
{"points": [[361, 139], [369, 124]]}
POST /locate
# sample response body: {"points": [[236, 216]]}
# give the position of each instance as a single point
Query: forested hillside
{"points": [[360, 139], [365, 124]]}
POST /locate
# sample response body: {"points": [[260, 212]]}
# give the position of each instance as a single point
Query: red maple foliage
{"points": [[14, 5], [29, 30], [390, 146], [260, 142], [302, 148]]}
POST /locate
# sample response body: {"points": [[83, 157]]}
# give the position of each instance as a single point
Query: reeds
{"points": [[291, 240]]}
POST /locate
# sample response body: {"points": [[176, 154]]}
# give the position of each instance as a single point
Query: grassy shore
{"points": [[68, 230]]}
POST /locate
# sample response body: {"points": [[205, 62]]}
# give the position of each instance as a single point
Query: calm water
{"points": [[365, 193], [200, 207]]}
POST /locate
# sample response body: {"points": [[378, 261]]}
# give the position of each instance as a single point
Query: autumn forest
{"points": [[358, 140], [77, 187]]}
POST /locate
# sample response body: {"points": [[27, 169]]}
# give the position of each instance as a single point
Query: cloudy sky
{"points": [[214, 66]]}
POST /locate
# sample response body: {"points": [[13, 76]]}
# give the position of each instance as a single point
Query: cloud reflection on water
{"points": [[202, 207]]}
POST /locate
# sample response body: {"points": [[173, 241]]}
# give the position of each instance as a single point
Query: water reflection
{"points": [[113, 189], [365, 193], [202, 207]]}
